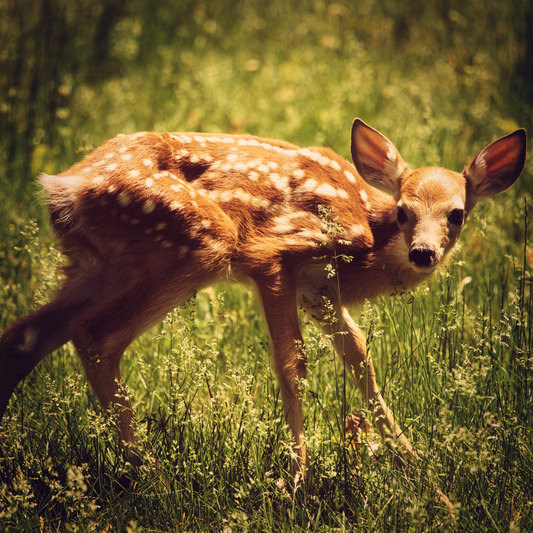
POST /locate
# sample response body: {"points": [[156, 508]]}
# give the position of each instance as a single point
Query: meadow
{"points": [[453, 357]]}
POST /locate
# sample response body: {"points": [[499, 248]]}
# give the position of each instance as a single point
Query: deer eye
{"points": [[401, 215], [457, 217]]}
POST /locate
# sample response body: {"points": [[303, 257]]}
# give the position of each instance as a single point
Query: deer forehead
{"points": [[433, 188]]}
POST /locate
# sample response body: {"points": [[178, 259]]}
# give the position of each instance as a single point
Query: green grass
{"points": [[453, 357]]}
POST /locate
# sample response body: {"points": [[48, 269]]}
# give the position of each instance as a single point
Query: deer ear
{"points": [[497, 166], [376, 159]]}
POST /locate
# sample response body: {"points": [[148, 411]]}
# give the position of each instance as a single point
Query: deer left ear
{"points": [[497, 166]]}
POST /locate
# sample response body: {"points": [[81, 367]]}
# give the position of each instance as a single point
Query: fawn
{"points": [[146, 220]]}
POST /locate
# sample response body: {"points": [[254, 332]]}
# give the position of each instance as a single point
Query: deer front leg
{"points": [[350, 345], [289, 362]]}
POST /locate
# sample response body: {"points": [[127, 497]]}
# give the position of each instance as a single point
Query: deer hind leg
{"points": [[289, 363], [29, 340], [103, 333], [150, 286]]}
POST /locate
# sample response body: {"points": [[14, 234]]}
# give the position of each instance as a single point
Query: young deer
{"points": [[146, 220]]}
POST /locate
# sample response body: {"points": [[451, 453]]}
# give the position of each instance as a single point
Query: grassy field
{"points": [[453, 357]]}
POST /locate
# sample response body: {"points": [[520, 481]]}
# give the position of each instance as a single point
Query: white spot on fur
{"points": [[176, 206], [357, 230], [244, 196], [182, 252], [310, 185], [315, 156], [149, 182], [285, 223], [134, 173], [111, 167], [306, 152], [124, 199], [283, 229], [326, 190], [364, 197], [350, 176], [260, 203], [281, 183], [126, 157], [147, 162], [226, 196], [148, 207]]}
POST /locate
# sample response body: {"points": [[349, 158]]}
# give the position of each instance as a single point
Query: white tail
{"points": [[148, 219]]}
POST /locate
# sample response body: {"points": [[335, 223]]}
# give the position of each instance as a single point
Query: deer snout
{"points": [[423, 256]]}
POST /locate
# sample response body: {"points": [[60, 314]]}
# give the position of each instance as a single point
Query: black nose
{"points": [[423, 256]]}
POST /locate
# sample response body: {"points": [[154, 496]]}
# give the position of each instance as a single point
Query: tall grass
{"points": [[453, 357], [456, 373]]}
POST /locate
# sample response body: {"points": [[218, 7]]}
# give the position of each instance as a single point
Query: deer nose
{"points": [[423, 256]]}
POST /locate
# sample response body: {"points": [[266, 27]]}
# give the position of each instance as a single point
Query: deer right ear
{"points": [[376, 159], [497, 166]]}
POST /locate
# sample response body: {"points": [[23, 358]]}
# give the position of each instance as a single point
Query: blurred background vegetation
{"points": [[440, 78], [445, 73]]}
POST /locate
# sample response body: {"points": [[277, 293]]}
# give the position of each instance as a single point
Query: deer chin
{"points": [[424, 269]]}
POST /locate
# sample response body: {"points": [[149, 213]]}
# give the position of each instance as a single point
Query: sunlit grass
{"points": [[456, 372]]}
